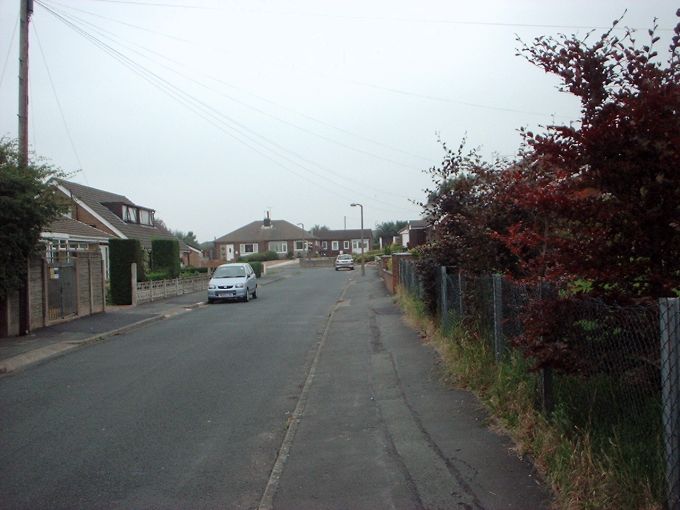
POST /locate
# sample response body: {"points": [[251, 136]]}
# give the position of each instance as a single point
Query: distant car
{"points": [[232, 281], [344, 261]]}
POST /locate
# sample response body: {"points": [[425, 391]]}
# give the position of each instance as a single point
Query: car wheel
{"points": [[246, 298], [211, 301], [255, 293]]}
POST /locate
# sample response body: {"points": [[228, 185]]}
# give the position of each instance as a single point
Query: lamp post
{"points": [[304, 239], [363, 270]]}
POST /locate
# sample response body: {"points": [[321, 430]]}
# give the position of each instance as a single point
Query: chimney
{"points": [[267, 221]]}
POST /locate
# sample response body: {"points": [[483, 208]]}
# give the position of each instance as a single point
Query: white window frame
{"points": [[324, 245], [345, 245], [243, 251], [335, 245], [300, 246], [149, 217], [274, 245]]}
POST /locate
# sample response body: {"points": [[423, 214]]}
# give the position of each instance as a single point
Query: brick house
{"points": [[279, 236], [414, 233], [334, 242], [114, 214]]}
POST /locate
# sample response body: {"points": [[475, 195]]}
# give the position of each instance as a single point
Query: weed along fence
{"points": [[619, 388]]}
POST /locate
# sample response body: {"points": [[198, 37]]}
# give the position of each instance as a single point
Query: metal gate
{"points": [[61, 290]]}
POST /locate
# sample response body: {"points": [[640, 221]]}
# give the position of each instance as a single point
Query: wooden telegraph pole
{"points": [[24, 19]]}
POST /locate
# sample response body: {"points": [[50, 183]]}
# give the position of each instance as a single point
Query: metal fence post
{"points": [[461, 305], [443, 296], [498, 316], [669, 322]]}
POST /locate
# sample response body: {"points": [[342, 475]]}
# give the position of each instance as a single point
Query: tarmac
{"points": [[17, 353]]}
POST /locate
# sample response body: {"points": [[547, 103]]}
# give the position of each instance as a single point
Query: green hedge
{"points": [[165, 256], [257, 267], [260, 257], [122, 253]]}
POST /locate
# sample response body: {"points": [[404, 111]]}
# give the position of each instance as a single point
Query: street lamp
{"points": [[363, 270], [304, 239]]}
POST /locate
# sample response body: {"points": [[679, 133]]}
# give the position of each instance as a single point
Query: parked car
{"points": [[232, 281], [345, 260]]}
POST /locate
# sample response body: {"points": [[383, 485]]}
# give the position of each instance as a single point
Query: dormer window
{"points": [[146, 217], [130, 214]]}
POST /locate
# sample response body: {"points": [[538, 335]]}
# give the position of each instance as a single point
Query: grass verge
{"points": [[588, 466]]}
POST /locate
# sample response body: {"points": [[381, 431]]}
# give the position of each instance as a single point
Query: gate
{"points": [[61, 290]]}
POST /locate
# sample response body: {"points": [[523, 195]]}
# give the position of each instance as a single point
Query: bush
{"points": [[157, 275], [257, 267], [165, 256], [122, 253], [260, 257]]}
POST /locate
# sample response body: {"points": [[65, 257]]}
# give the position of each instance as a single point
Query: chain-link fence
{"points": [[612, 370]]}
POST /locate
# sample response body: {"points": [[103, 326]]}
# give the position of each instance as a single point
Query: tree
{"points": [[318, 229], [188, 237], [603, 194], [388, 229], [28, 203], [464, 214]]}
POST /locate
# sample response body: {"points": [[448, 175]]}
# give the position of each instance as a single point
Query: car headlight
{"points": [[211, 287], [239, 285]]}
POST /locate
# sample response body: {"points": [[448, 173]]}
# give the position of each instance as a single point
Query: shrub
{"points": [[165, 256], [157, 275], [122, 253], [260, 257], [257, 267]]}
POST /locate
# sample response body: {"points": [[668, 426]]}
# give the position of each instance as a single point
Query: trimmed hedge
{"points": [[165, 256], [257, 267], [122, 253], [260, 257]]}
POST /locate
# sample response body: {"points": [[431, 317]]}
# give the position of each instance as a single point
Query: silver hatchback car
{"points": [[233, 281], [344, 261]]}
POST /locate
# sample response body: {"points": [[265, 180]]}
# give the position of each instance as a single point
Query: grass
{"points": [[591, 455]]}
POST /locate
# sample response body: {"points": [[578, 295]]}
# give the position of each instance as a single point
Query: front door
{"points": [[230, 252]]}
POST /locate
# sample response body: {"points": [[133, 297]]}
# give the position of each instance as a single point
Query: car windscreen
{"points": [[230, 272]]}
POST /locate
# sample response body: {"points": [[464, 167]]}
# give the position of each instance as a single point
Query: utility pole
{"points": [[26, 7], [24, 20]]}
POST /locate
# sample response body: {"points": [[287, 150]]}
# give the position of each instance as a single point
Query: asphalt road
{"points": [[314, 395]]}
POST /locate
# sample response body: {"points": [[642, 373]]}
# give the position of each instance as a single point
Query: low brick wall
{"points": [[317, 262]]}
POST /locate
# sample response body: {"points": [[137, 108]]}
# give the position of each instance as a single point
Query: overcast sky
{"points": [[212, 112]]}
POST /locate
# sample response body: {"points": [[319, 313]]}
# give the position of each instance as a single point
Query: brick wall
{"points": [[90, 294]]}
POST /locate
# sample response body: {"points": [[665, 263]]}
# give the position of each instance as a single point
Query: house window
{"points": [[299, 245], [336, 246], [324, 245], [130, 214], [345, 245], [146, 217], [278, 246], [248, 248], [356, 244]]}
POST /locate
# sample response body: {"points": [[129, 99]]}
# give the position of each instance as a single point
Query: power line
{"points": [[196, 106], [262, 112], [124, 23], [156, 4], [56, 98], [451, 22], [9, 50], [100, 30]]}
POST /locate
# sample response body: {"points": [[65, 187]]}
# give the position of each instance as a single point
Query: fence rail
{"points": [[622, 374], [162, 289]]}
